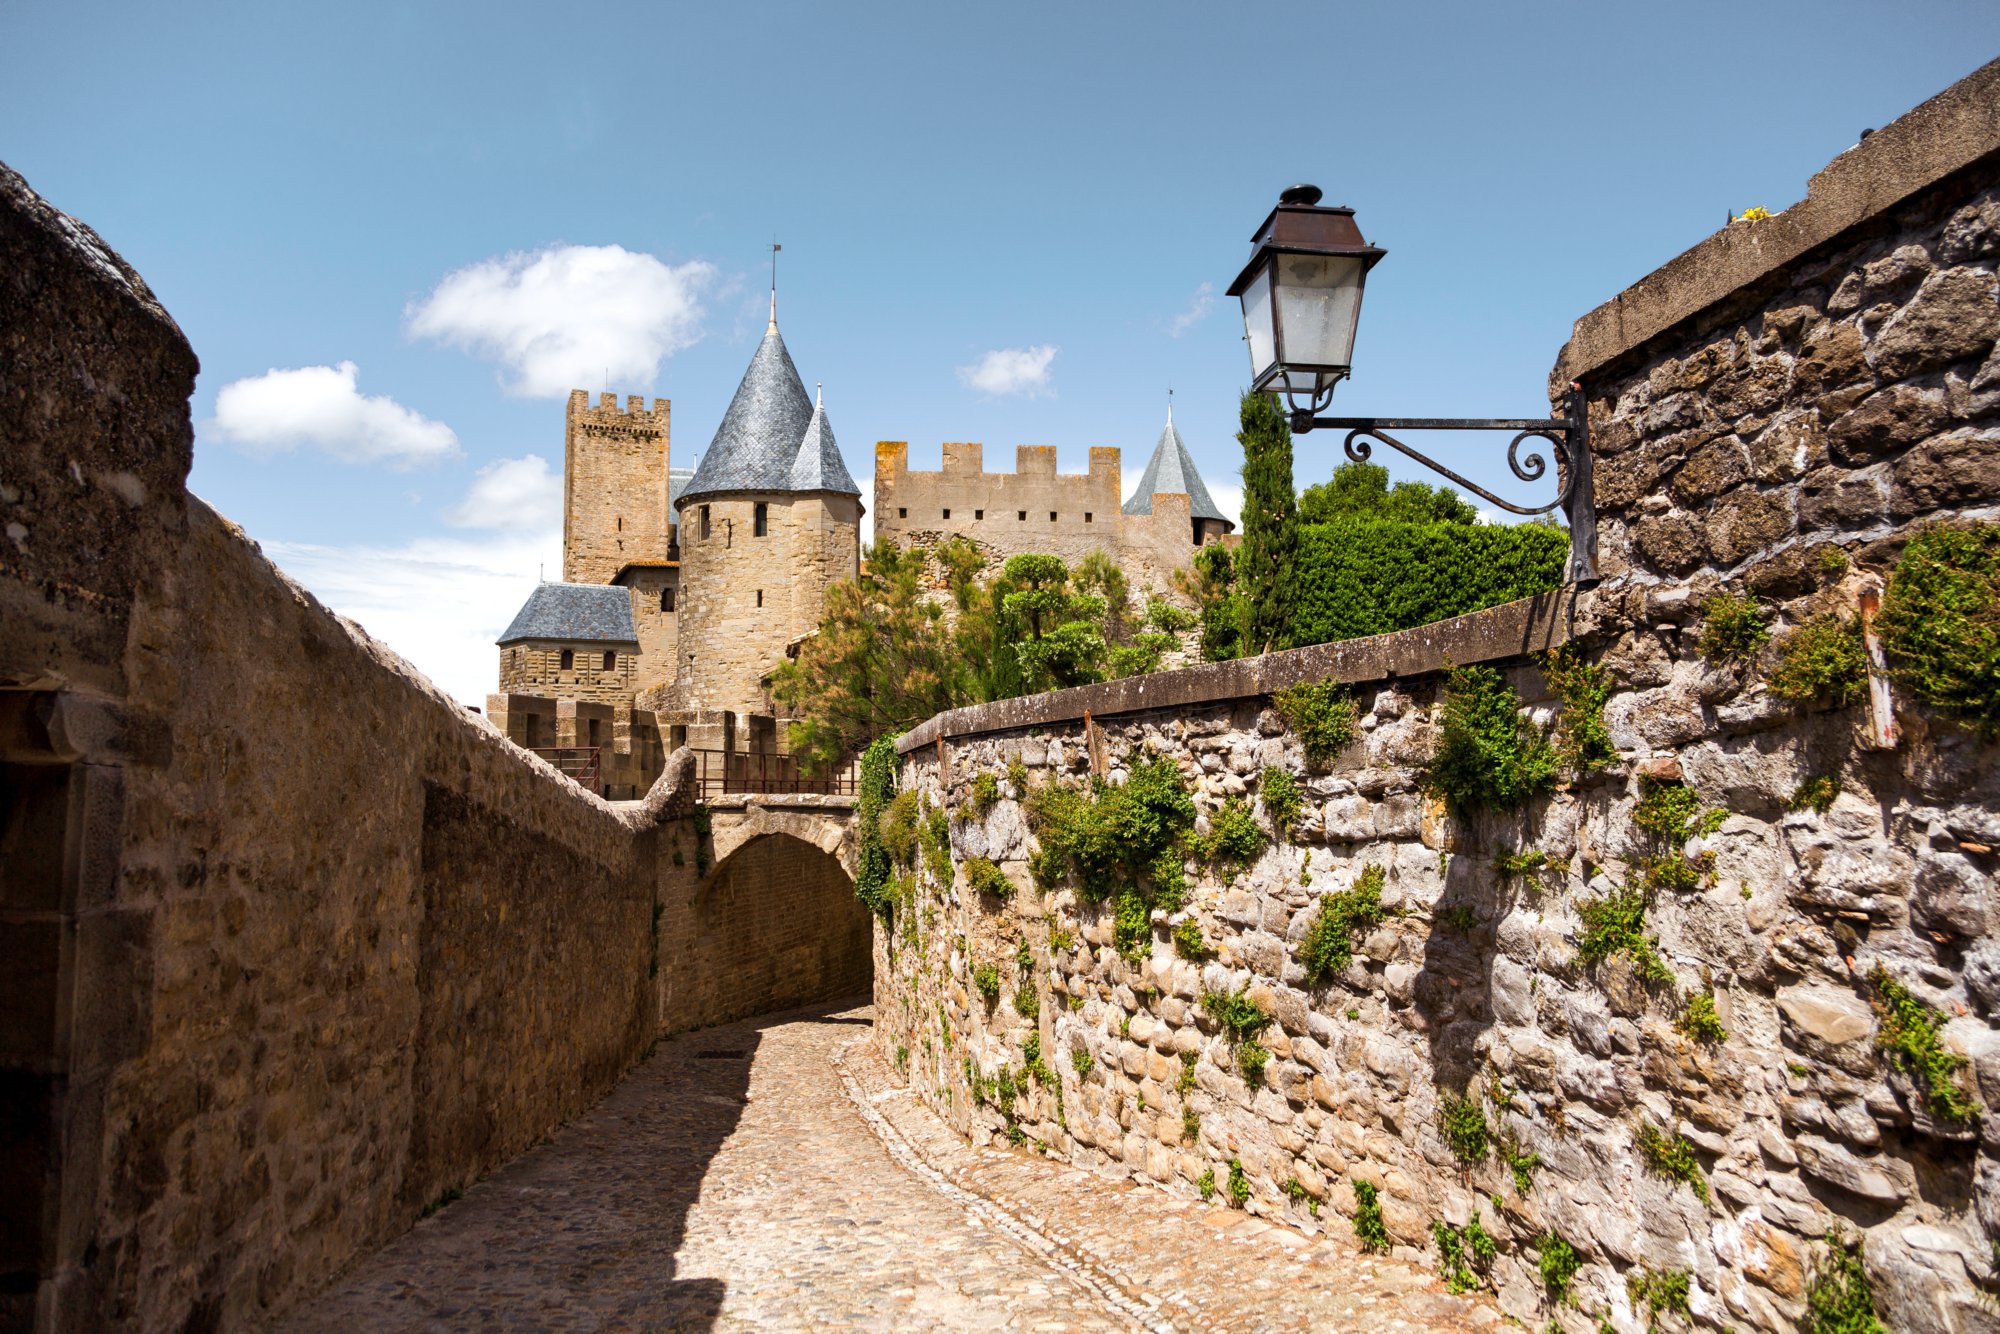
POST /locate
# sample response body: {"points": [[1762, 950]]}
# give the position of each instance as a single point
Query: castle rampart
{"points": [[614, 485]]}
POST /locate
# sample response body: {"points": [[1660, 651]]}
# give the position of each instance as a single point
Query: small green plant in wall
{"points": [[1464, 1254], [1908, 1030], [1581, 741], [1282, 798], [1188, 940], [1661, 1292], [1670, 1156], [1205, 1183], [1321, 715], [1241, 1020], [1368, 1226], [1815, 794], [1081, 1061], [1822, 662], [1239, 1183], [1558, 1261], [1345, 917], [1940, 622], [1489, 756], [1462, 1122], [986, 981], [1698, 1019], [1838, 1297], [1733, 628], [987, 878], [985, 792]]}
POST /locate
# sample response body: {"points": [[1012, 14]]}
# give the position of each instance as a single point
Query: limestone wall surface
{"points": [[291, 944], [1779, 435], [614, 485]]}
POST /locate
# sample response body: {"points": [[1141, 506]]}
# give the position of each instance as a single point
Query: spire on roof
{"points": [[1172, 469], [775, 248], [765, 432], [818, 465]]}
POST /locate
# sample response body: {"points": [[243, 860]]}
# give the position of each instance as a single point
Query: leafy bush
{"points": [[1668, 1155], [986, 878], [1321, 715], [1234, 838], [1616, 924], [1282, 799], [1190, 1124], [1239, 1183], [1080, 1060], [899, 828], [877, 785], [1822, 661], [1368, 1227], [986, 981], [1559, 1262], [985, 792], [1661, 1291], [1672, 813], [1188, 940], [1239, 1017], [1838, 1298], [1907, 1029], [1463, 1253], [1699, 1021], [1581, 740], [1462, 1122], [1817, 792], [1940, 622], [1523, 1166], [937, 847], [1205, 1183], [1488, 754], [1361, 490], [1361, 576], [1733, 628], [1344, 917], [1109, 838], [1250, 1060]]}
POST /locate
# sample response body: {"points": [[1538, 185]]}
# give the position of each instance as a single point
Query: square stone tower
{"points": [[614, 486]]}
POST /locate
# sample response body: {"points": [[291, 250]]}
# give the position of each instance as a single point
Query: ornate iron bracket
{"points": [[1570, 437]]}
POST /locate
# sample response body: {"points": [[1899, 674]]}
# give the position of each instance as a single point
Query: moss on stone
{"points": [[1940, 622], [1822, 661]]}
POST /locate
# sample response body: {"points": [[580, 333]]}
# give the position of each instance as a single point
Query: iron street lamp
{"points": [[1301, 294]]}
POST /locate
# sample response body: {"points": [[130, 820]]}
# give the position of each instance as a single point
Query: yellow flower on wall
{"points": [[1753, 215]]}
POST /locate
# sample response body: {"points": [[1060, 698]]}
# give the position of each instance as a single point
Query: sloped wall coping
{"points": [[1508, 630], [1920, 148]]}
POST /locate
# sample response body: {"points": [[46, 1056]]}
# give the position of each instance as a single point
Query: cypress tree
{"points": [[1270, 523]]}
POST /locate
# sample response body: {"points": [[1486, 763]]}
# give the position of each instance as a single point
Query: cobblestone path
{"points": [[770, 1174]]}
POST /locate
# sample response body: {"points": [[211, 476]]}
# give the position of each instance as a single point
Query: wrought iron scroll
{"points": [[1568, 436]]}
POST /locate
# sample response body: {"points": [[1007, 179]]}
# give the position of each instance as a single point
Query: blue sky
{"points": [[301, 184]]}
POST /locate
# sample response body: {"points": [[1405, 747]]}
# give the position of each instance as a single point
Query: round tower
{"points": [[770, 518]]}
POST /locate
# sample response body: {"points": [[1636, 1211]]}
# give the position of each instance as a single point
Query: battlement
{"points": [[632, 415]]}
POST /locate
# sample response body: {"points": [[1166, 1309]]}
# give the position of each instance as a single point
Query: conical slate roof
{"points": [[1172, 469], [759, 440], [818, 465]]}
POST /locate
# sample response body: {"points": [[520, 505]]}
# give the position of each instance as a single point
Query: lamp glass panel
{"points": [[1319, 297], [1257, 324]]}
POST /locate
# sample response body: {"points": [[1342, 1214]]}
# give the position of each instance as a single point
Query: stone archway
{"points": [[776, 918]]}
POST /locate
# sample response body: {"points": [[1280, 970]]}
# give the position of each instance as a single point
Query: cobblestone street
{"points": [[770, 1174]]}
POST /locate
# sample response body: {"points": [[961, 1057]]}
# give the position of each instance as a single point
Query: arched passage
{"points": [[777, 920]]}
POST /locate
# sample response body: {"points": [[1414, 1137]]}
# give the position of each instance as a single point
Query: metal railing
{"points": [[719, 771], [580, 764]]}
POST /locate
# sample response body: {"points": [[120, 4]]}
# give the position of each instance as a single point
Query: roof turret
{"points": [[818, 465], [766, 432], [1172, 469]]}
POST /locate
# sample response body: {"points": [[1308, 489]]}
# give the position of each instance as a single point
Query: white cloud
{"points": [[1011, 370], [323, 406], [567, 316], [439, 602], [1198, 308], [514, 494]]}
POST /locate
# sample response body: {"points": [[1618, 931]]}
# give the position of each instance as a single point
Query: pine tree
{"points": [[1270, 523]]}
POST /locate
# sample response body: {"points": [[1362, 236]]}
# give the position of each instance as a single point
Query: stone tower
{"points": [[614, 486], [769, 520]]}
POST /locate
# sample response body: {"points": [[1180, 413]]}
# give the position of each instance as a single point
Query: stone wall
{"points": [[535, 667], [291, 944], [614, 485], [1779, 433]]}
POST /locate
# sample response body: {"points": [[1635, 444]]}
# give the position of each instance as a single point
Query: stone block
{"points": [[1953, 317]]}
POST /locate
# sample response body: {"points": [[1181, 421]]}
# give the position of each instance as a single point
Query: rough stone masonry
{"points": [[1773, 414]]}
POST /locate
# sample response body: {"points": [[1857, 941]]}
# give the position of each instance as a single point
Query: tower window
{"points": [[704, 521], [1086, 516], [902, 513], [567, 661], [1023, 516], [760, 597], [666, 599], [1052, 516], [947, 514], [621, 523], [610, 659], [763, 520], [979, 514]]}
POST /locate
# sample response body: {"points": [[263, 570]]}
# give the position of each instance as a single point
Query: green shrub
{"points": [[1457, 916], [1106, 838], [1250, 1061], [1668, 1155], [1940, 622], [1061, 938], [1616, 924], [1357, 576], [1344, 917], [1321, 715], [1559, 1262], [1205, 1183], [1581, 741], [1017, 773], [1080, 1061], [877, 785], [1235, 1014], [1234, 838], [987, 878], [1817, 793], [1699, 1021], [1462, 1122], [1239, 1183], [985, 792], [1523, 1166], [1838, 1298], [937, 847], [1132, 924], [1368, 1227], [1660, 1291], [1024, 956], [1489, 756], [1027, 1001], [1188, 941], [1463, 1253], [899, 828], [1166, 618], [1733, 628], [1831, 561], [1282, 799], [1907, 1029], [1822, 661], [1190, 1124], [986, 981], [1184, 1084]]}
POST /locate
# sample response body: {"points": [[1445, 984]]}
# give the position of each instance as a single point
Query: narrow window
{"points": [[1023, 516], [760, 597], [567, 661], [610, 661], [902, 513], [979, 514], [947, 514], [704, 521], [1086, 516], [763, 524], [621, 523], [593, 731], [1052, 516], [666, 599]]}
